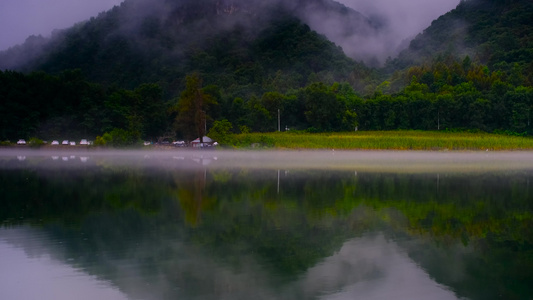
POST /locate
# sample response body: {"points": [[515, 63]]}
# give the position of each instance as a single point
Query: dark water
{"points": [[255, 225]]}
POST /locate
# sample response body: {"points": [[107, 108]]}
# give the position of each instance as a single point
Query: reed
{"points": [[384, 140]]}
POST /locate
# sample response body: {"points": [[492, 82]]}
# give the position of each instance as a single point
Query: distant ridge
{"points": [[159, 41], [492, 32]]}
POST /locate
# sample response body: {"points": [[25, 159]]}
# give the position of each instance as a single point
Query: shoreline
{"points": [[400, 140], [246, 149]]}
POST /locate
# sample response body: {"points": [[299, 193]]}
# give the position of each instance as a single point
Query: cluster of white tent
{"points": [[206, 142]]}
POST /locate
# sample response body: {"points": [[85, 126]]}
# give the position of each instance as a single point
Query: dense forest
{"points": [[478, 76]]}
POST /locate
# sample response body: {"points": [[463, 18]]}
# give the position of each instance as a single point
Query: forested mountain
{"points": [[148, 69], [241, 49], [497, 33], [231, 42]]}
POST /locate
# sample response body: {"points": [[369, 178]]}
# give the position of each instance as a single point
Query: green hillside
{"points": [[492, 32], [239, 49], [177, 69], [229, 43]]}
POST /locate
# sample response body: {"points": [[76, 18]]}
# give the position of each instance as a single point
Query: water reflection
{"points": [[369, 267], [384, 270], [167, 226], [30, 271]]}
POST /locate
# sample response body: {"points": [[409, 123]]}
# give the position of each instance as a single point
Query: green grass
{"points": [[384, 140]]}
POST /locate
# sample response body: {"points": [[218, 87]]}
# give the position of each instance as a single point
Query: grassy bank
{"points": [[384, 140]]}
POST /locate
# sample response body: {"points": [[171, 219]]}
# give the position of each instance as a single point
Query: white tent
{"points": [[207, 142]]}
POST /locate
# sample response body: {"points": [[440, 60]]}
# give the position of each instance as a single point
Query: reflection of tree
{"points": [[466, 207], [193, 195], [235, 214], [70, 196]]}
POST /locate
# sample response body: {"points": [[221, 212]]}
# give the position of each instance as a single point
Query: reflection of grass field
{"points": [[393, 140]]}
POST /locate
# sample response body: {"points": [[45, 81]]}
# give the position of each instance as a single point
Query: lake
{"points": [[265, 225]]}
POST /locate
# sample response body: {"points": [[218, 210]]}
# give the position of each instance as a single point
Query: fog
{"points": [[403, 18], [357, 161], [20, 19], [396, 22]]}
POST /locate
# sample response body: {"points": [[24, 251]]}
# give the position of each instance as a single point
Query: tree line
{"points": [[66, 106], [459, 95]]}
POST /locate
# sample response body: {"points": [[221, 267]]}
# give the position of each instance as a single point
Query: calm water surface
{"points": [[266, 225]]}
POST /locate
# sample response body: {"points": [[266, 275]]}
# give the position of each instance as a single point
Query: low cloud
{"points": [[22, 18], [392, 23], [396, 23]]}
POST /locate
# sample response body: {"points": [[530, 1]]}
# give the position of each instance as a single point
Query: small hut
{"points": [[207, 142]]}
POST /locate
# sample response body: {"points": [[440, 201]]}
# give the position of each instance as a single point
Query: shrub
{"points": [[100, 141], [266, 141], [117, 138], [35, 142], [221, 132], [244, 129]]}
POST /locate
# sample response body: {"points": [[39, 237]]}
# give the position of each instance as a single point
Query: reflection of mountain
{"points": [[373, 267], [32, 268], [166, 268], [129, 226]]}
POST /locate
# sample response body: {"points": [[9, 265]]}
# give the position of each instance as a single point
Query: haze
{"points": [[358, 161], [21, 18], [402, 20]]}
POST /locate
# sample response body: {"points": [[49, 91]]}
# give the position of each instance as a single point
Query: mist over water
{"points": [[373, 161]]}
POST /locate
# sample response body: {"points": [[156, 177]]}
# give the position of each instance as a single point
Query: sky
{"points": [[22, 18]]}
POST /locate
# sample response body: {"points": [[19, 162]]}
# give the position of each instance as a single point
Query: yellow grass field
{"points": [[384, 140]]}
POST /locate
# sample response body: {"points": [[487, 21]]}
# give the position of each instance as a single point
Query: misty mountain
{"points": [[122, 72], [492, 32], [234, 41]]}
